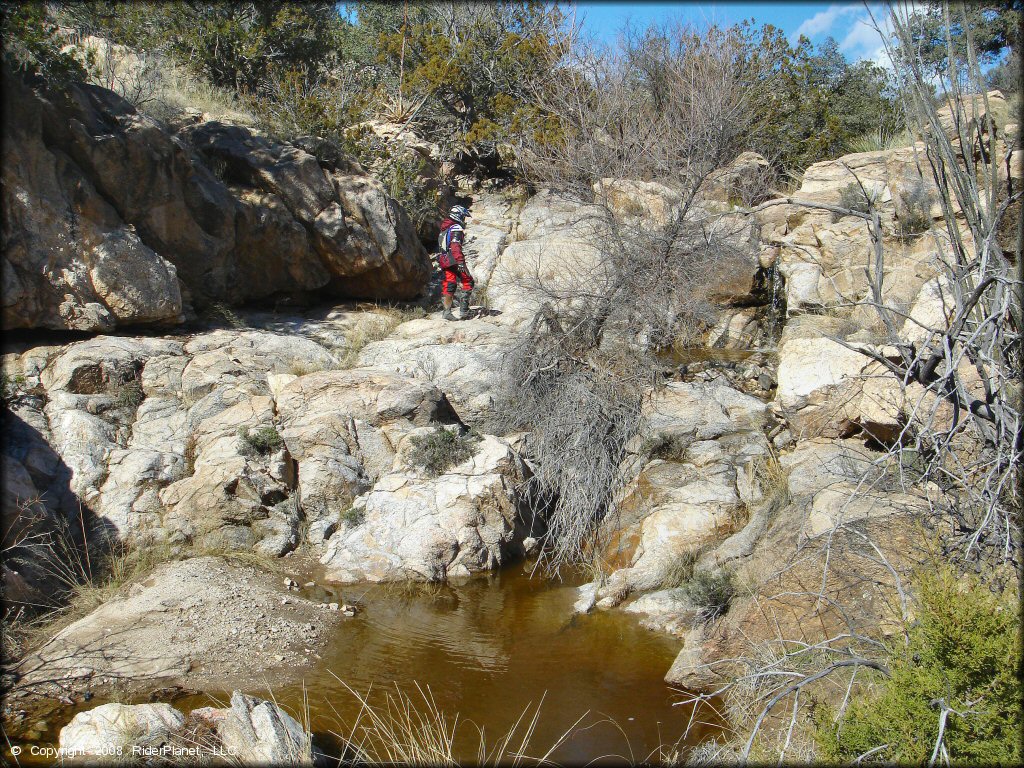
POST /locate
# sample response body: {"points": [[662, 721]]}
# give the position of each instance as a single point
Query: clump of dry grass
{"points": [[403, 730], [376, 327], [679, 570]]}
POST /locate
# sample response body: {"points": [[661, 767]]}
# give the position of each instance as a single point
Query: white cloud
{"points": [[823, 21], [863, 41]]}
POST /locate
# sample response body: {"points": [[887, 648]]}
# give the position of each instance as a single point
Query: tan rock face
{"points": [[108, 214], [806, 539], [693, 485], [70, 261], [462, 359], [342, 427]]}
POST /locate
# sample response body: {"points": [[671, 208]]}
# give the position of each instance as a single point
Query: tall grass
{"points": [[875, 142], [405, 730]]}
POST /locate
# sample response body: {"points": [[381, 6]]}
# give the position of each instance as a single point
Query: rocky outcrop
{"points": [[343, 428], [112, 219], [412, 526], [183, 625], [694, 483], [462, 359], [245, 439], [785, 562]]}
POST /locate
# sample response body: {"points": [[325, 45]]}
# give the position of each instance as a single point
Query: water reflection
{"points": [[487, 650]]}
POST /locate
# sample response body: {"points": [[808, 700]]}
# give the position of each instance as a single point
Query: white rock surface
{"points": [[424, 528], [258, 732], [108, 732]]}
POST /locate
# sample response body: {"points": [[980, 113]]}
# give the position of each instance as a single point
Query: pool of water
{"points": [[486, 651]]}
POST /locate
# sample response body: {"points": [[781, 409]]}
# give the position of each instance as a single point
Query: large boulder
{"points": [[70, 261], [829, 389], [108, 213], [412, 526], [109, 732], [554, 255]]}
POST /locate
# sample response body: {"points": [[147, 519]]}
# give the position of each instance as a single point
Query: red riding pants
{"points": [[451, 274]]}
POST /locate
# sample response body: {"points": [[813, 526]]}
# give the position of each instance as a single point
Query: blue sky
{"points": [[843, 21]]}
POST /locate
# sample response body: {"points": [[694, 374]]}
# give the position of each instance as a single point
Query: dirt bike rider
{"points": [[453, 262]]}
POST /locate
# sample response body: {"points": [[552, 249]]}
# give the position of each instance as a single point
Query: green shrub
{"points": [[965, 650], [353, 516], [852, 196], [263, 441], [712, 592], [441, 449], [33, 44], [11, 386]]}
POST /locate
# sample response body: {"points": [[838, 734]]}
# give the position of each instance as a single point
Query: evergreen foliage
{"points": [[964, 652]]}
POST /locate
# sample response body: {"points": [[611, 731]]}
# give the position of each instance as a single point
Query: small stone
{"points": [[285, 601], [278, 657], [333, 606], [309, 584], [290, 583]]}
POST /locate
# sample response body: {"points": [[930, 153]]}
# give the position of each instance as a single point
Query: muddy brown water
{"points": [[486, 651]]}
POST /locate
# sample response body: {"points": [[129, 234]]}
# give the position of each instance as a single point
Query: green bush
{"points": [[33, 44], [263, 441], [353, 516], [964, 649], [11, 386], [441, 449], [712, 592], [852, 196]]}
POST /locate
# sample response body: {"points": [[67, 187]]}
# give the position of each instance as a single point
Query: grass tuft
{"points": [[712, 592], [262, 442], [353, 516], [679, 571], [441, 449]]}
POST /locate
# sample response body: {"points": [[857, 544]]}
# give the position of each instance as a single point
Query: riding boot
{"points": [[446, 302]]}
